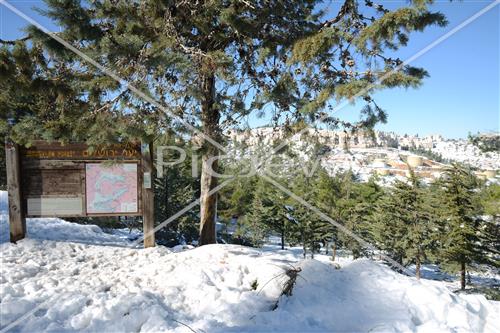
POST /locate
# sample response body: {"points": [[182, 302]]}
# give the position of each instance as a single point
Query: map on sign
{"points": [[111, 188]]}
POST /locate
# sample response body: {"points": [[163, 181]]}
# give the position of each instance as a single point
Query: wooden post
{"points": [[148, 217], [17, 220]]}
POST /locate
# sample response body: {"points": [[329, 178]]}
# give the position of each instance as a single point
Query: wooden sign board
{"points": [[77, 180], [42, 150]]}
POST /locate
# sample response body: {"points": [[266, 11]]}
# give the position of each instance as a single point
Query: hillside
{"points": [[382, 153]]}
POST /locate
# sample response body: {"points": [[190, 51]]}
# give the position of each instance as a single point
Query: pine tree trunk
{"points": [[334, 251], [283, 236], [210, 126], [355, 254], [417, 266], [166, 194], [462, 275], [304, 245]]}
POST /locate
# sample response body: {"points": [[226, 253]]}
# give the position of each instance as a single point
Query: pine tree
{"points": [[175, 189], [387, 230], [236, 198], [278, 214], [355, 209], [465, 241], [327, 194], [43, 98], [405, 222], [418, 240], [303, 218], [258, 218], [309, 229], [211, 63], [268, 212], [490, 200]]}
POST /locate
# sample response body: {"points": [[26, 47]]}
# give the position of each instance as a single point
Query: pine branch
{"points": [[342, 12], [108, 104], [13, 42], [192, 50]]}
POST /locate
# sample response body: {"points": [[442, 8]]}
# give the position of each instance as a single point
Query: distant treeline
{"points": [[411, 222], [430, 155]]}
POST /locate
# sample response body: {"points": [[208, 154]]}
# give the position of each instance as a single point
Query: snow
{"points": [[465, 152], [80, 278], [3, 202], [366, 297], [362, 158], [60, 230]]}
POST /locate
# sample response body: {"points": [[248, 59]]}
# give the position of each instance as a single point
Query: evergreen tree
{"points": [[42, 97], [258, 217], [405, 225], [490, 199], [211, 63], [268, 211], [344, 203], [174, 190], [355, 209], [237, 197], [388, 231], [278, 214], [309, 229], [465, 238], [327, 194]]}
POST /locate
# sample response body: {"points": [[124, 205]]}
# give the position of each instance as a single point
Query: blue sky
{"points": [[461, 95]]}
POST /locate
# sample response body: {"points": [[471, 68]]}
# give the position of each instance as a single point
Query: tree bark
{"points": [[334, 251], [399, 259], [304, 245], [17, 213], [210, 125], [283, 235], [462, 275], [148, 213], [417, 266]]}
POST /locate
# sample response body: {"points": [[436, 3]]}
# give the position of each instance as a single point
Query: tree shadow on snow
{"points": [[55, 229]]}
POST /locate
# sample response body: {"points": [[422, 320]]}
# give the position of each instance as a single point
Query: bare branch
{"points": [[342, 12]]}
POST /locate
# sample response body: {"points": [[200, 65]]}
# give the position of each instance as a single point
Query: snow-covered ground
{"points": [[464, 152], [3, 202], [69, 277]]}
